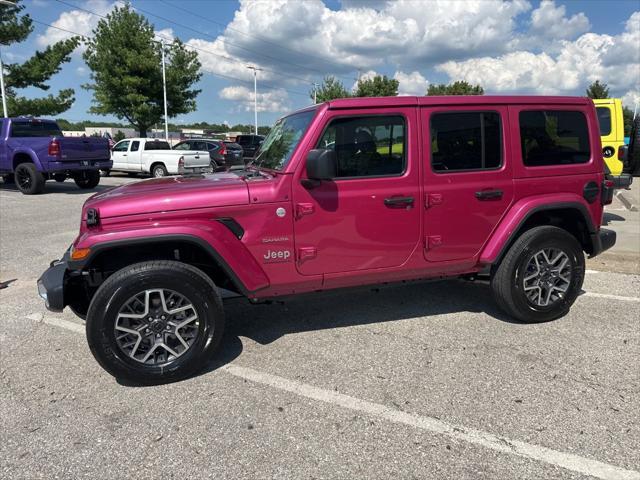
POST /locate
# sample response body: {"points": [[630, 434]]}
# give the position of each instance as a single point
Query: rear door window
{"points": [[135, 145], [554, 137], [464, 141]]}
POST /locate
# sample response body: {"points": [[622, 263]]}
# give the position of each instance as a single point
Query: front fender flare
{"points": [[214, 238]]}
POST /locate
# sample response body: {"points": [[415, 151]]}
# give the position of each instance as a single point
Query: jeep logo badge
{"points": [[273, 256]]}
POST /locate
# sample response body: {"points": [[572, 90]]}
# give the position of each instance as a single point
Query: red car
{"points": [[346, 193]]}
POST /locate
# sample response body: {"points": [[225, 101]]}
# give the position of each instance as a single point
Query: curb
{"points": [[625, 201]]}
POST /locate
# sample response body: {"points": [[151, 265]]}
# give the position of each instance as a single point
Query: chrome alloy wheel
{"points": [[156, 326], [547, 277]]}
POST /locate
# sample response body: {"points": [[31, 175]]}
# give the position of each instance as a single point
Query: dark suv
{"points": [[250, 144], [222, 154]]}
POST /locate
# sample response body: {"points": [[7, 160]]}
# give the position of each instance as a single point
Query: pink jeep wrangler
{"points": [[350, 192]]}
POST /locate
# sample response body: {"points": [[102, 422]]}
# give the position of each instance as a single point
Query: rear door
{"points": [[468, 179], [368, 217]]}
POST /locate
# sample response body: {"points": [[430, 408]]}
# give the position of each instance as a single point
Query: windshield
{"points": [[277, 148]]}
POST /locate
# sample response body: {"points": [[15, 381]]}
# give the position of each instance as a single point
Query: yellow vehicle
{"points": [[609, 112]]}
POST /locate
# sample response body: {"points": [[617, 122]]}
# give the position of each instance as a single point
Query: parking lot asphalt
{"points": [[424, 380]]}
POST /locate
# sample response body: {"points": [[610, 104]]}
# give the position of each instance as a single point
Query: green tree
{"points": [[597, 90], [37, 70], [627, 116], [459, 87], [118, 136], [126, 71], [378, 86], [330, 89]]}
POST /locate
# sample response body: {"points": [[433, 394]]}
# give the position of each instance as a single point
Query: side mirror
{"points": [[322, 164]]}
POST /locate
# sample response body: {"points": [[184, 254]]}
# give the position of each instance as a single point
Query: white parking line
{"points": [[568, 461], [611, 297]]}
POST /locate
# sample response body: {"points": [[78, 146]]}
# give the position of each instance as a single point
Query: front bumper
{"points": [[51, 284], [602, 241]]}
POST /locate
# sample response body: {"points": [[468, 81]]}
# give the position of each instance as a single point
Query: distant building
{"points": [[100, 131]]}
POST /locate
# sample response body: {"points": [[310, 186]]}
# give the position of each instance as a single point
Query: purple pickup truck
{"points": [[33, 151]]}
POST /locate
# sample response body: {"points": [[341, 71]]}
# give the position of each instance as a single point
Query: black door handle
{"points": [[488, 194], [398, 202]]}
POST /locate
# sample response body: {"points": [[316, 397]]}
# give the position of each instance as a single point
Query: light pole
{"points": [[4, 94], [255, 94], [164, 88], [315, 92]]}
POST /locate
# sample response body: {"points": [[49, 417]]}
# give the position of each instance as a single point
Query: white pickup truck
{"points": [[150, 155]]}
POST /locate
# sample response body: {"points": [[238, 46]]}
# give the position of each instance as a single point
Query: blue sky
{"points": [[509, 47]]}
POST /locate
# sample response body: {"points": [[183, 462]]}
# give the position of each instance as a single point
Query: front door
{"points": [[368, 217], [468, 179], [119, 155], [134, 159]]}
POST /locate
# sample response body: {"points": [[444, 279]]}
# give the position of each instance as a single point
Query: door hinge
{"points": [[433, 199], [303, 209], [306, 253], [432, 241]]}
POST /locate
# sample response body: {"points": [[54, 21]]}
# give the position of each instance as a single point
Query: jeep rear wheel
{"points": [[541, 275], [155, 322]]}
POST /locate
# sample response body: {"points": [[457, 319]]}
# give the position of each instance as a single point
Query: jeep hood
{"points": [[170, 194]]}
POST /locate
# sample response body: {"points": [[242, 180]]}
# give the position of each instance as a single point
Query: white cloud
{"points": [[165, 34], [411, 83], [631, 99], [578, 63], [550, 21], [74, 22], [269, 101], [82, 71]]}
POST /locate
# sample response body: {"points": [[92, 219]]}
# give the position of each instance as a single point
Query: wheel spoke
{"points": [[151, 321]]}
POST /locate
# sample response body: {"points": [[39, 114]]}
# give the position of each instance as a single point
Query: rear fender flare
{"points": [[519, 213], [32, 156]]}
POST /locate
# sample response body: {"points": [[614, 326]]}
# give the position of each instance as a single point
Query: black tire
{"points": [[130, 281], [633, 153], [9, 179], [159, 170], [87, 179], [507, 281], [28, 179], [59, 177]]}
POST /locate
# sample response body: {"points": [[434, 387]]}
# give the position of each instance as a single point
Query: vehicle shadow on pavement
{"points": [[267, 323], [58, 187]]}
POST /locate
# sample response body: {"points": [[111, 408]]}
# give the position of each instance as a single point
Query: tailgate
{"points": [[74, 149], [194, 159]]}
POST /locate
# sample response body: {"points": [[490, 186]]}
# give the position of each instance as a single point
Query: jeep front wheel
{"points": [[541, 275], [155, 322]]}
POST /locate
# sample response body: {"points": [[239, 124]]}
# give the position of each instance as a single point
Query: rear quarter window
{"points": [[554, 137]]}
